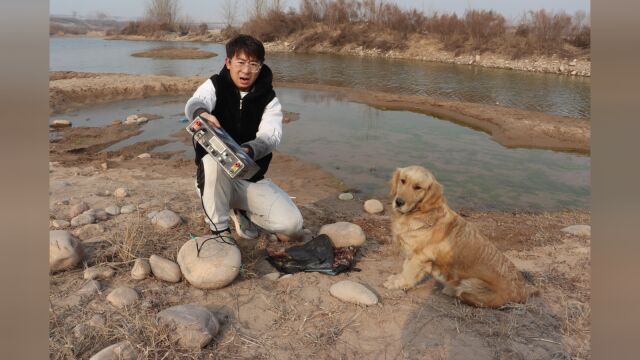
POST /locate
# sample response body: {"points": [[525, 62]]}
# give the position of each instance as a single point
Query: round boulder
{"points": [[78, 209], [373, 206], [121, 192], [112, 210], [65, 251], [345, 196], [127, 209], [353, 292], [122, 350], [83, 219], [343, 234], [194, 325], [214, 267]]}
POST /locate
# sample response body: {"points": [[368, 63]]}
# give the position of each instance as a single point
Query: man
{"points": [[241, 100]]}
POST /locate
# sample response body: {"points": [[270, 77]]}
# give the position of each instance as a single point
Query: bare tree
{"points": [[229, 11], [163, 11], [257, 8]]}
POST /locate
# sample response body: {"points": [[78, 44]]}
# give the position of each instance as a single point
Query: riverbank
{"points": [[508, 126], [419, 47], [295, 315]]}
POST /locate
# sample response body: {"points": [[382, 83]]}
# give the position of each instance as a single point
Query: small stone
{"points": [[121, 192], [353, 292], [104, 166], [127, 209], [78, 209], [573, 62], [65, 251], [165, 269], [101, 214], [578, 230], [373, 206], [122, 296], [141, 269], [131, 119], [89, 231], [99, 272], [574, 72], [56, 124], [272, 276], [90, 288], [121, 351], [112, 210], [83, 219], [60, 224], [142, 120], [152, 214], [144, 156], [345, 196], [194, 325], [344, 234], [215, 266], [166, 219]]}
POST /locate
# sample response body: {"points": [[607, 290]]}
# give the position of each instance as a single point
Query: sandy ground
{"points": [[295, 317], [508, 126], [175, 53]]}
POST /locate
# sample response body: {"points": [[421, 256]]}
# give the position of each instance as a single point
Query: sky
{"points": [[211, 10]]}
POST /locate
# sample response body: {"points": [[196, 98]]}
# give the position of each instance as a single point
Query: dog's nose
{"points": [[399, 202]]}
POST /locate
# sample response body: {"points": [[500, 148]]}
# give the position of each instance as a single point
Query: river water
{"points": [[550, 93], [360, 144]]}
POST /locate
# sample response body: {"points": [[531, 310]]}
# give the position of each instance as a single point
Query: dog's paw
{"points": [[394, 282]]}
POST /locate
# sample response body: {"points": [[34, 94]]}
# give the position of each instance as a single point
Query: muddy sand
{"points": [[508, 126], [296, 317]]}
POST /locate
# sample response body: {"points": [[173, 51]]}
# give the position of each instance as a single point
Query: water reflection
{"points": [[561, 95]]}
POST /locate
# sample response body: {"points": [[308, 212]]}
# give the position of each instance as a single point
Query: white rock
{"points": [[112, 210], [578, 230], [122, 296], [166, 219], [60, 123], [144, 156], [60, 224], [142, 120], [141, 269], [104, 166], [83, 219], [78, 209], [573, 62], [345, 196], [373, 206], [353, 292], [131, 119], [195, 326], [121, 192], [90, 288], [164, 269], [574, 72], [65, 251], [216, 266], [344, 234], [99, 272], [120, 351], [127, 209]]}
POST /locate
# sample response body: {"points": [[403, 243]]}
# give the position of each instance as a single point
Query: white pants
{"points": [[266, 205]]}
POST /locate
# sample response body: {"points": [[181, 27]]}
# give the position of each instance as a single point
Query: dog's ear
{"points": [[394, 182], [434, 198]]}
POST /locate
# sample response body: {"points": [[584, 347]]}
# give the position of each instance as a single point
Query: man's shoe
{"points": [[244, 227]]}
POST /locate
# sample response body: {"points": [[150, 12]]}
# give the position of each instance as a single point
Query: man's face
{"points": [[244, 70]]}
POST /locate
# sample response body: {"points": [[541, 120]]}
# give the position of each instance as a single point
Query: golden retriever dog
{"points": [[438, 241]]}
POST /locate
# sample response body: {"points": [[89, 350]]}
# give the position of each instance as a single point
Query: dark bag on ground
{"points": [[318, 254]]}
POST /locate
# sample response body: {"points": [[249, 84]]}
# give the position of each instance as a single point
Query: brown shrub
{"points": [[230, 32], [545, 30], [483, 27], [275, 25]]}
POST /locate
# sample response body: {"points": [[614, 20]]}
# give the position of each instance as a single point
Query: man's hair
{"points": [[247, 44]]}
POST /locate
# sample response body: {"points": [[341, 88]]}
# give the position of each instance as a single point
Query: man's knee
{"points": [[291, 224]]}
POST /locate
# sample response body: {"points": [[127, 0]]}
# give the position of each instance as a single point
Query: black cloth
{"points": [[240, 117]]}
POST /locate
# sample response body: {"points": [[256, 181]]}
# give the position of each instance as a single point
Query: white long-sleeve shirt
{"points": [[269, 131]]}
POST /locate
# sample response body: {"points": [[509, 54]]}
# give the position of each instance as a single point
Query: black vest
{"points": [[241, 118]]}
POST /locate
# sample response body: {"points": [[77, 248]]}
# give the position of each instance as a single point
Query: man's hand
{"points": [[210, 119]]}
